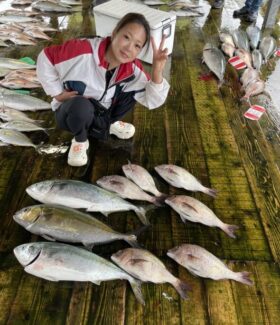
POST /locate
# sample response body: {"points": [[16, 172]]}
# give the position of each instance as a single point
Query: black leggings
{"points": [[76, 116]]}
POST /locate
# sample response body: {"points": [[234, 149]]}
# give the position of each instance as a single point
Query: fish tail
{"points": [[182, 288], [210, 191], [136, 288], [132, 241], [157, 201], [141, 213], [230, 229], [162, 197], [243, 277]]}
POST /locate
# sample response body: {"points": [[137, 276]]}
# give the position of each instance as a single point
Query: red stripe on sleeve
{"points": [[70, 49]]}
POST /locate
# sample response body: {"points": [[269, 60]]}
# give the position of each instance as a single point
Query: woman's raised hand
{"points": [[159, 59]]}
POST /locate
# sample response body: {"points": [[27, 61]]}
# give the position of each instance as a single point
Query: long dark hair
{"points": [[134, 17]]}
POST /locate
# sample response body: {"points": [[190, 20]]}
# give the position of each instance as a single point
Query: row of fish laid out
{"points": [[19, 79], [21, 35], [110, 197], [240, 43], [63, 2], [63, 262], [64, 6]]}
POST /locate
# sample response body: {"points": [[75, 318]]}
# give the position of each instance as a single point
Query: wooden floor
{"points": [[200, 128]]}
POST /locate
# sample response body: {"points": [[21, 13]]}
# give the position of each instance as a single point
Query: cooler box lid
{"points": [[118, 8]]}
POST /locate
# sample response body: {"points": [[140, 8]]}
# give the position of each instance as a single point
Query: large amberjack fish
{"points": [[268, 47], [181, 178], [215, 60], [146, 267], [141, 177], [126, 189], [54, 222], [193, 210], [202, 263], [81, 195], [62, 262], [22, 126]]}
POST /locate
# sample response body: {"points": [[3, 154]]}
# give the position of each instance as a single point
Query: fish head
{"points": [[39, 191], [27, 253], [121, 257], [164, 170], [173, 251], [171, 200], [27, 216], [129, 169]]}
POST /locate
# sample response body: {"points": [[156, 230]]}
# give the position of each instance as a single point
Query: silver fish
{"points": [[254, 34], [204, 264], [22, 126], [153, 2], [80, 195], [19, 83], [240, 39], [181, 178], [195, 211], [141, 177], [257, 59], [16, 138], [146, 267], [215, 60], [62, 262], [54, 222], [126, 189], [186, 13], [22, 102], [267, 47], [49, 6], [15, 18]]}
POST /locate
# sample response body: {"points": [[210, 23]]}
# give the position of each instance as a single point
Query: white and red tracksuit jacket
{"points": [[81, 64]]}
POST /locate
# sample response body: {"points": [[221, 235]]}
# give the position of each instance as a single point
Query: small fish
{"points": [[204, 264], [195, 211], [146, 267], [62, 262], [254, 88], [141, 177], [181, 178], [126, 189], [248, 76], [240, 39]]}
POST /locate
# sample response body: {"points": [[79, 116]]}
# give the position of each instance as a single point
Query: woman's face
{"points": [[128, 42]]}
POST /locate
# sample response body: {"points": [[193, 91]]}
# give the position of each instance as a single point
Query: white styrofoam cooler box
{"points": [[109, 13]]}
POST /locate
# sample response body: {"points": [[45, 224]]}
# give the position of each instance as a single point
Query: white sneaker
{"points": [[122, 130], [77, 155]]}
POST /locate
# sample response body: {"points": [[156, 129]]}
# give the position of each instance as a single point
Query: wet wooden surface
{"points": [[201, 128]]}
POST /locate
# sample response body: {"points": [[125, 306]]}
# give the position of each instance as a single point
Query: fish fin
{"points": [[182, 218], [243, 277], [210, 191], [192, 257], [182, 288], [132, 241], [230, 229], [48, 237], [193, 271], [105, 213], [96, 282], [136, 288], [88, 246], [141, 213]]}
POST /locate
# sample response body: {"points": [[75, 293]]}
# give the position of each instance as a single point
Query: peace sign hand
{"points": [[159, 59]]}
